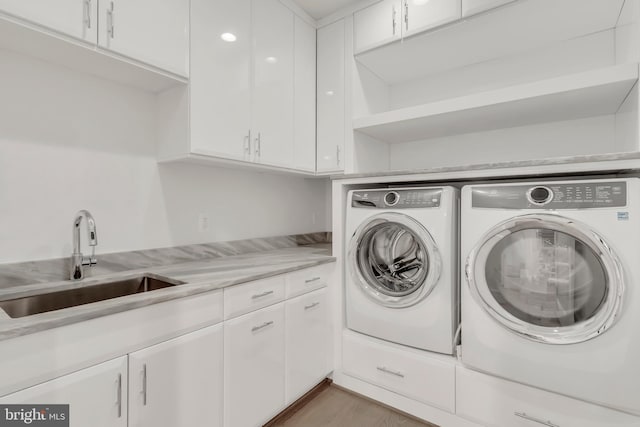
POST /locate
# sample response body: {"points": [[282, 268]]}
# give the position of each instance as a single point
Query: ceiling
{"points": [[318, 9]]}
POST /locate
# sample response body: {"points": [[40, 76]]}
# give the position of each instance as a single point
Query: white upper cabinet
{"points": [[471, 7], [251, 97], [331, 97], [391, 20], [97, 396], [75, 18], [272, 97], [178, 382], [220, 81], [153, 32], [304, 119], [420, 15], [378, 24]]}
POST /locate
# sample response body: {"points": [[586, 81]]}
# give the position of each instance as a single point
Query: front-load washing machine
{"points": [[401, 268], [550, 292]]}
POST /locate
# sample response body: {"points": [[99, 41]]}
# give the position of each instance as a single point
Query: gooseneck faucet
{"points": [[77, 260]]}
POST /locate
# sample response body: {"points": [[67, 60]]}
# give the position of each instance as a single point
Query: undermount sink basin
{"points": [[42, 303]]}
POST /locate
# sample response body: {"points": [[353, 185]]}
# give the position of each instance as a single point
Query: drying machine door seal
{"points": [[548, 278], [394, 260]]}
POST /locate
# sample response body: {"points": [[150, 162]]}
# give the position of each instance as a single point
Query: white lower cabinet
{"points": [[178, 382], [307, 343], [97, 396], [494, 402], [254, 367]]}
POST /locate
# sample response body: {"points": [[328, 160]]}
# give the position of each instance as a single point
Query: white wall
{"points": [[69, 141]]}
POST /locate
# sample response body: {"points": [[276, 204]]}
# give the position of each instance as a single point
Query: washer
{"points": [[549, 295], [401, 268]]}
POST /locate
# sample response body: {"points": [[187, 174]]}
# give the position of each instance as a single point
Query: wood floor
{"points": [[334, 407]]}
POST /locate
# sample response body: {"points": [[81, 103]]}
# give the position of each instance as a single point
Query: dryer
{"points": [[401, 268], [550, 291]]}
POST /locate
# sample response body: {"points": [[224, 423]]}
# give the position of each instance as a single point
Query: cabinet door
{"points": [[97, 396], [254, 367], [377, 25], [75, 18], [178, 382], [307, 343], [154, 32], [220, 79], [421, 15], [331, 97], [471, 7], [272, 103], [304, 123]]}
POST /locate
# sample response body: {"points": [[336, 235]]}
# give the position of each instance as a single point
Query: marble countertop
{"points": [[559, 162], [201, 276]]}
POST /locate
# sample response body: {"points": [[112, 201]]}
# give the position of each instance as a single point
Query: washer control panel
{"points": [[575, 195], [397, 198]]}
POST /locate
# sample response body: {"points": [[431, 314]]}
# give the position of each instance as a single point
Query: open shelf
{"points": [[24, 38], [516, 27], [588, 94]]}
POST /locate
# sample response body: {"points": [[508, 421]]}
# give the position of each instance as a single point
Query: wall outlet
{"points": [[203, 223]]}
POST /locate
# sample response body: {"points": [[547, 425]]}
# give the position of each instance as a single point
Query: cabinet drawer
{"points": [[251, 296], [421, 376], [307, 280], [495, 402]]}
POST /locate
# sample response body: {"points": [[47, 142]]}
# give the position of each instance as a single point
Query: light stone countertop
{"points": [[555, 165], [200, 276]]}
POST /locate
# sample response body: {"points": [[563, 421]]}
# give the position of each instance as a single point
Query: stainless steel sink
{"points": [[26, 306]]}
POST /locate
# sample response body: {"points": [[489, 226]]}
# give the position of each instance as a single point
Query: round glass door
{"points": [[547, 278], [394, 260]]}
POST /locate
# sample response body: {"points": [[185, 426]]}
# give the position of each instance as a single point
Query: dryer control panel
{"points": [[551, 195], [397, 198]]}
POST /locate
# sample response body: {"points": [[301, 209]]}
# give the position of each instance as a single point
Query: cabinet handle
{"points": [[258, 145], [315, 279], [87, 13], [110, 25], [119, 395], [144, 384], [310, 306], [264, 294], [389, 371], [406, 15], [264, 325], [338, 155], [247, 143], [535, 420], [393, 19]]}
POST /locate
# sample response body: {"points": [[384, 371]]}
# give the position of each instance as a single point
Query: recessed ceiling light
{"points": [[420, 2], [271, 59], [228, 37], [329, 93]]}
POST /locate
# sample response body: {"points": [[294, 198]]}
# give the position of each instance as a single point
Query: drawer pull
{"points": [[534, 419], [264, 294], [119, 395], [144, 384], [315, 279], [389, 371], [310, 306], [264, 325]]}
